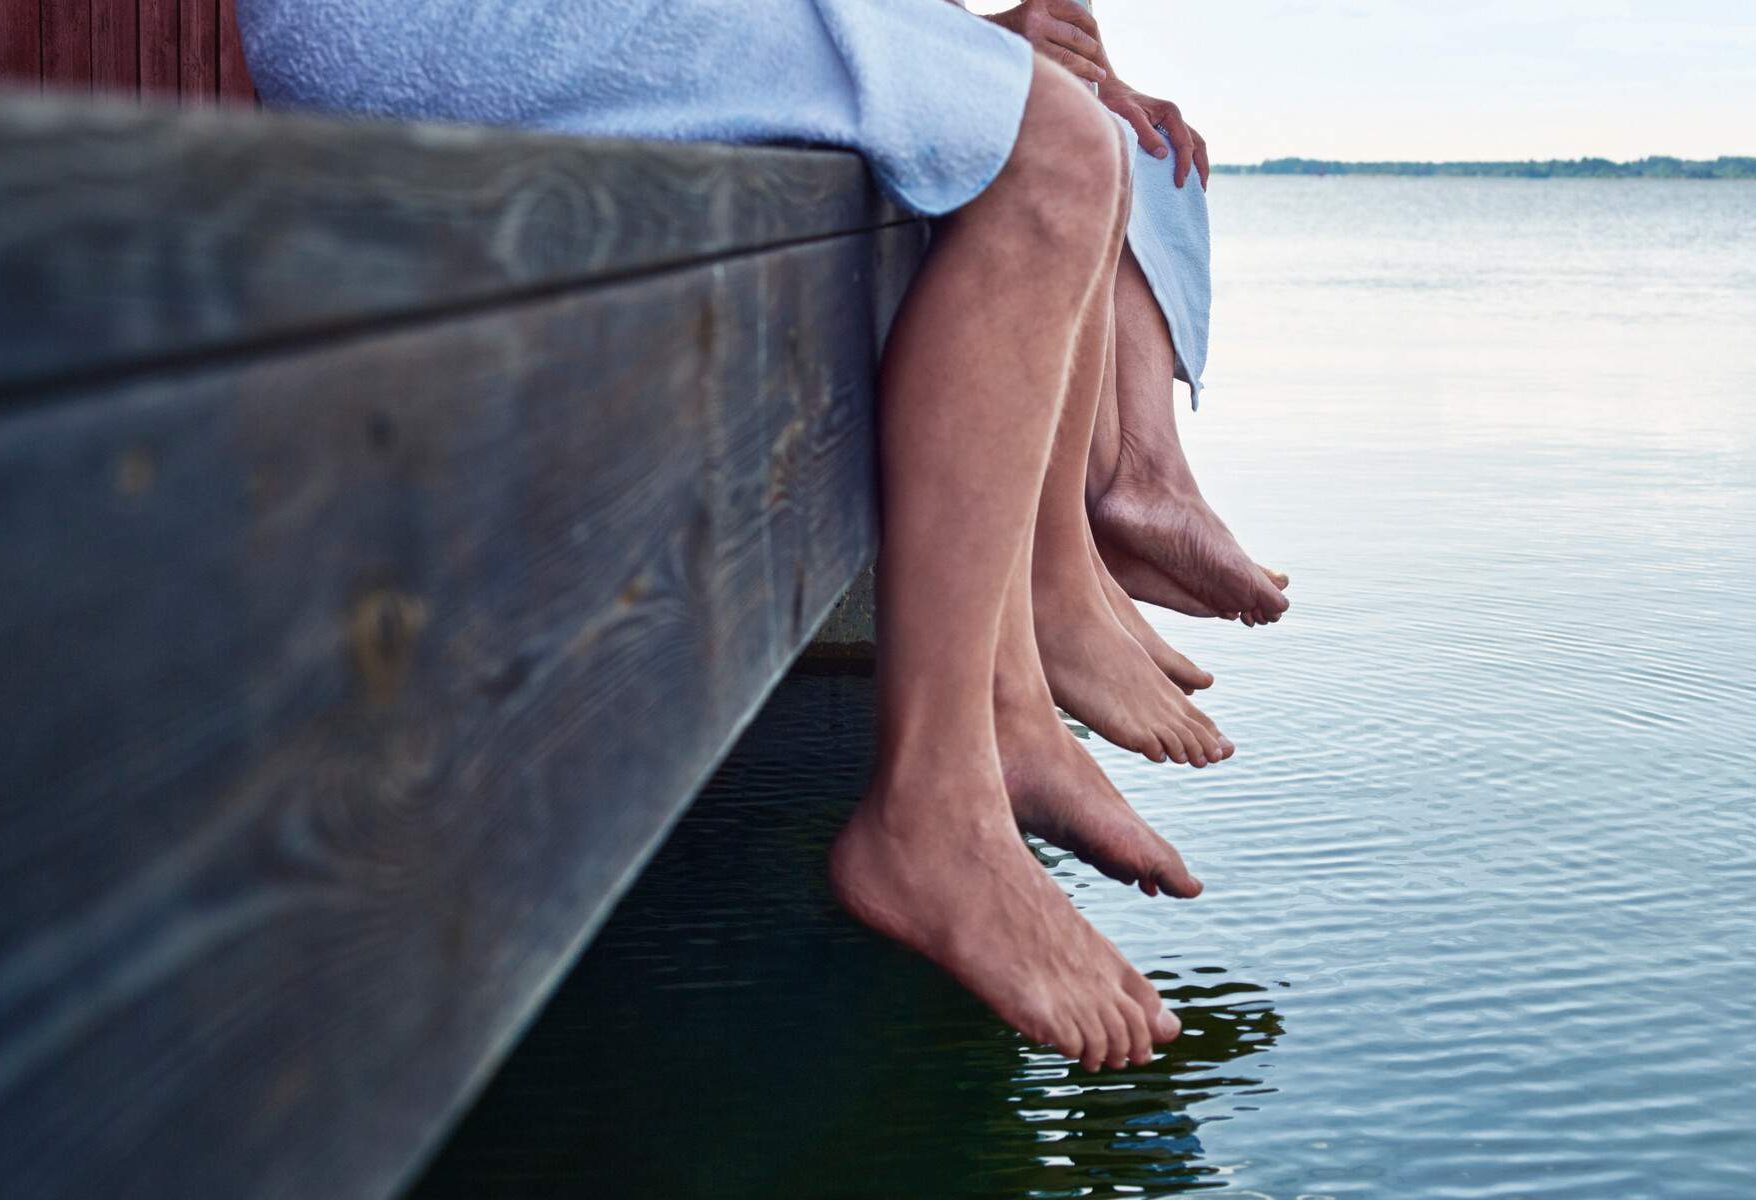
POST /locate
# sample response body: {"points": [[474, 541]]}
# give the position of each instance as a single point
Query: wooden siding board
{"points": [[158, 45], [21, 44], [198, 51], [141, 233], [234, 75], [67, 44], [115, 51], [352, 683]]}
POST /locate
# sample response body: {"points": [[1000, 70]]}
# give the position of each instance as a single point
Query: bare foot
{"points": [[1106, 680], [1167, 547], [1061, 795], [943, 871], [1178, 668]]}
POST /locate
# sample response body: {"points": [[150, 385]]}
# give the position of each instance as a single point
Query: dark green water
{"points": [[731, 1034], [1481, 910]]}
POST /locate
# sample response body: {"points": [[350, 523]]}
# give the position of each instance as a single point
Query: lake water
{"points": [[1481, 906]]}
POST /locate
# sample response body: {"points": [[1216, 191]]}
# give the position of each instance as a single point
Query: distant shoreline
{"points": [[1582, 168]]}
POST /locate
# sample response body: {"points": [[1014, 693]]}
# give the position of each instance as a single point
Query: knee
{"points": [[1068, 174]]}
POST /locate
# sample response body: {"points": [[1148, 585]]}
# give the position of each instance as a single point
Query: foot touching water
{"points": [[942, 870], [1167, 547]]}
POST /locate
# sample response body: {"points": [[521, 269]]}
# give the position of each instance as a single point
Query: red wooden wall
{"points": [[184, 48]]}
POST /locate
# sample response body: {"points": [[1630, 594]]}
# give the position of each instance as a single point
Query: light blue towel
{"points": [[1170, 238], [1169, 235], [930, 95]]}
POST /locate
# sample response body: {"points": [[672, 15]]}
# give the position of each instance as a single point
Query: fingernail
{"points": [[1161, 153]]}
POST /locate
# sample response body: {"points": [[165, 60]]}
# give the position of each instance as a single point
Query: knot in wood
{"points": [[382, 632]]}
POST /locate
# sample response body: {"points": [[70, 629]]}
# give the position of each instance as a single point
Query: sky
{"points": [[1427, 79]]}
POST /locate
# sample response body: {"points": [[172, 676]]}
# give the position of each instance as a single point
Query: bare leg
{"points": [[1096, 670], [1106, 437], [1158, 535], [970, 392]]}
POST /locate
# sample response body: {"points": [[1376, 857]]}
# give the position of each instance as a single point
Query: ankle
{"points": [[910, 807], [1155, 474]]}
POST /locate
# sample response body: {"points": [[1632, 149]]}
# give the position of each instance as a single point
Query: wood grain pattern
{"points": [[195, 233], [198, 51], [159, 50], [21, 44], [348, 686], [67, 44], [234, 74], [115, 52]]}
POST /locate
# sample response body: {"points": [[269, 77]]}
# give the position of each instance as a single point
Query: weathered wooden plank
{"points": [[347, 685], [198, 51], [234, 73], [144, 234], [67, 44], [115, 52], [21, 44], [158, 48]]}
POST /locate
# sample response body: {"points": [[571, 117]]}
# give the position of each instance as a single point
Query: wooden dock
{"points": [[397, 524]]}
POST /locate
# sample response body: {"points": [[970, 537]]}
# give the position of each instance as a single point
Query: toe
{"points": [[1214, 746], [1280, 579], [1174, 876], [1184, 673], [1142, 740], [1067, 1040], [1172, 745], [1182, 734], [1139, 1034], [1161, 1022], [1181, 884], [1120, 1038], [1195, 746], [1094, 1043]]}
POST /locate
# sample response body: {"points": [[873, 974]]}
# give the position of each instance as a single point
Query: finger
{"points": [[1151, 140], [1201, 158], [1170, 118], [1076, 15], [1082, 44], [1084, 68], [1185, 147]]}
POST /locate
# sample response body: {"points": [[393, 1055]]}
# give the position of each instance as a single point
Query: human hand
{"points": [[1146, 114], [1061, 30]]}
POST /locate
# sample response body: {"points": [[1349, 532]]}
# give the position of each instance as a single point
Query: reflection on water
{"points": [[1481, 880], [731, 1034]]}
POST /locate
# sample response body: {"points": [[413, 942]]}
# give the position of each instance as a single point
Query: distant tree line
{"points": [[1657, 167]]}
